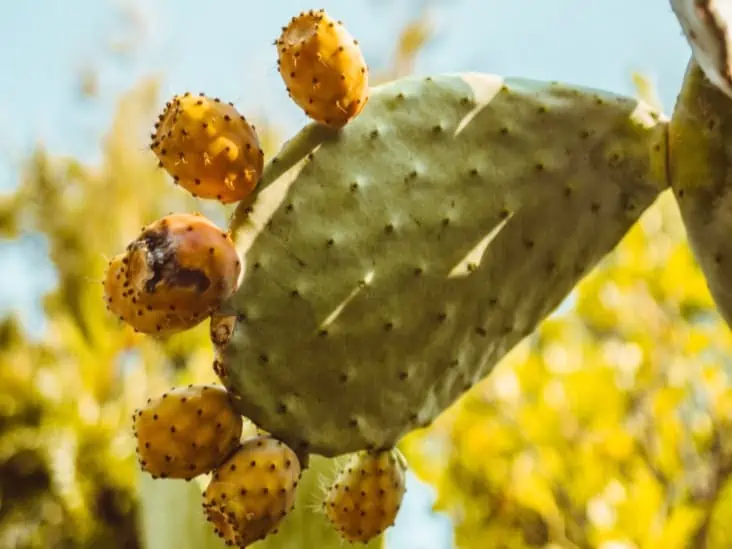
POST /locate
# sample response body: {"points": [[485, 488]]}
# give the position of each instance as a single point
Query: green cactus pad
{"points": [[390, 265], [706, 26], [700, 145]]}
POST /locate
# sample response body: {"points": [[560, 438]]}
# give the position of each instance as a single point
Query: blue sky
{"points": [[225, 49]]}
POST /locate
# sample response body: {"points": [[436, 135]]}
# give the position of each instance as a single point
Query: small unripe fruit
{"points": [[253, 491], [173, 276], [187, 431], [365, 497], [208, 148], [323, 68]]}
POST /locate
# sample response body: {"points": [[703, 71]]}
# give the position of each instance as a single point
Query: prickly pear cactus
{"points": [[391, 264], [398, 247]]}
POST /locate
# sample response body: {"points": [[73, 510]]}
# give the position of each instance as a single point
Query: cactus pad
{"points": [[707, 25], [253, 491], [700, 143], [323, 68], [389, 265], [173, 275], [186, 432], [208, 148], [365, 497]]}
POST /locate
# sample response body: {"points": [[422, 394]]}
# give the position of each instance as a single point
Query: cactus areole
{"points": [[389, 265]]}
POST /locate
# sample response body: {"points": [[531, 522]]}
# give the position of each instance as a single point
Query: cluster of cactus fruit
{"points": [[390, 255]]}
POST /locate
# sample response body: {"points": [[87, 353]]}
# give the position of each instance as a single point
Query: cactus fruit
{"points": [[700, 144], [707, 26], [208, 148], [173, 276], [365, 497], [186, 432], [323, 68], [252, 491], [391, 264]]}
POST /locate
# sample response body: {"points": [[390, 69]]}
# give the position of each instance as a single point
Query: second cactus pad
{"points": [[391, 264], [701, 156]]}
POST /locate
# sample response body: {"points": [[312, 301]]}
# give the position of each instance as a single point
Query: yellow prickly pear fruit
{"points": [[323, 68], [365, 497], [173, 276], [186, 432], [252, 491], [208, 148]]}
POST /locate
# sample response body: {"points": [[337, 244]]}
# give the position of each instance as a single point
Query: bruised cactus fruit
{"points": [[365, 497], [173, 275], [186, 432], [208, 148], [252, 492], [323, 68]]}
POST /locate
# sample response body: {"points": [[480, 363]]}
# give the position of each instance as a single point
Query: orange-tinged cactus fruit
{"points": [[186, 432], [208, 148], [253, 491], [365, 497], [323, 68], [173, 275]]}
